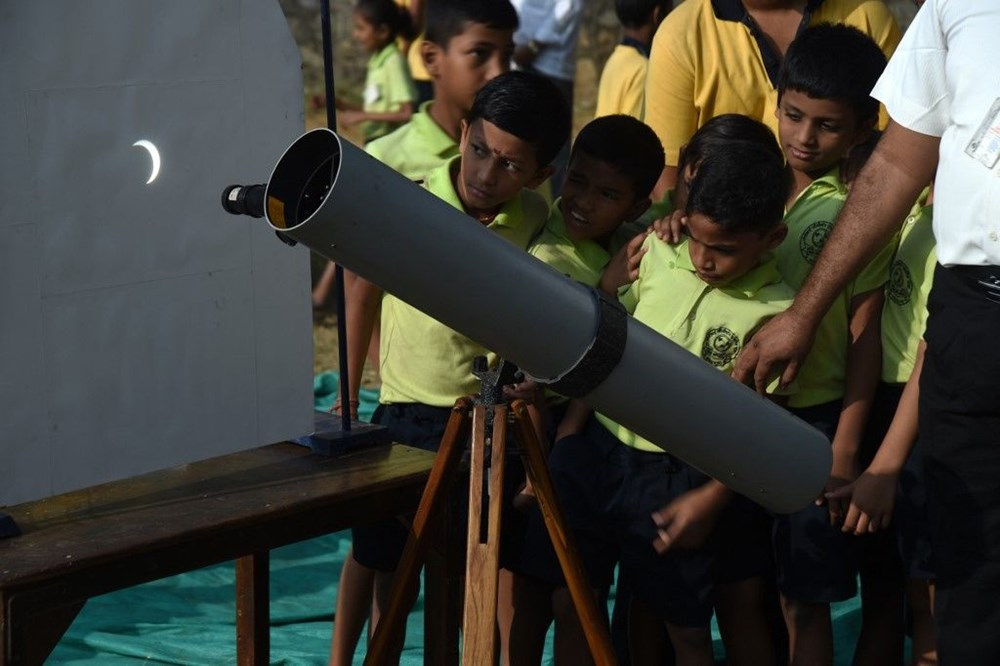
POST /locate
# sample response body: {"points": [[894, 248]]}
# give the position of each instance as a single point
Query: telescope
{"points": [[347, 206]]}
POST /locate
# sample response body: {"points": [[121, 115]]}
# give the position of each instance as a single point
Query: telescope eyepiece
{"points": [[244, 200]]}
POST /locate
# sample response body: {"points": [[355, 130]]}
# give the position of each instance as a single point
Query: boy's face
{"points": [[495, 165], [597, 198], [469, 59], [816, 134], [720, 256]]}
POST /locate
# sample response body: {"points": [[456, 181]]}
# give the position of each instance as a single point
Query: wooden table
{"points": [[238, 506]]}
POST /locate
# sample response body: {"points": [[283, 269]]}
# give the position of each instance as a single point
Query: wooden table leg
{"points": [[253, 609]]}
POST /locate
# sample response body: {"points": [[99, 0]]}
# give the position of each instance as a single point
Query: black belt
{"points": [[984, 279]]}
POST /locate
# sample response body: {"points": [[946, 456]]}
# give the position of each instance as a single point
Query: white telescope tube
{"points": [[349, 207]]}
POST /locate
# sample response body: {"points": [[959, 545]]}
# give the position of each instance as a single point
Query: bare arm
{"points": [[400, 115], [901, 166], [362, 309], [864, 362]]}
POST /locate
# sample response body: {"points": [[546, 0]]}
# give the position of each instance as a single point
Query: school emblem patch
{"points": [[900, 287], [813, 239], [720, 347]]}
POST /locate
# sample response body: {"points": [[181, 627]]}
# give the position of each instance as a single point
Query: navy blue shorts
{"points": [[816, 562], [380, 545], [607, 492]]}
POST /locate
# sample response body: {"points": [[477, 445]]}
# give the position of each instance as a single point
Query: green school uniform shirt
{"points": [[582, 261], [822, 376], [416, 148], [387, 86], [714, 323], [421, 359], [904, 315]]}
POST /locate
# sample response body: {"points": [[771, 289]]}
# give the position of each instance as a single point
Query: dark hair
{"points": [[836, 62], [389, 14], [719, 133], [444, 19], [742, 189], [626, 144], [637, 13], [530, 107]]}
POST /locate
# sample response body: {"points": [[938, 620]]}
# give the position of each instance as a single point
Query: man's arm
{"points": [[903, 163]]}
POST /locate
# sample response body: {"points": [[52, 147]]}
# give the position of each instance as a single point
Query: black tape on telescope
{"points": [[604, 354]]}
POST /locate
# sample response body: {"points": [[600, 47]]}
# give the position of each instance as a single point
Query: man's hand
{"points": [[688, 521], [780, 345], [872, 499]]}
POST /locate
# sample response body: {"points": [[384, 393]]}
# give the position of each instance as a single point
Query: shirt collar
{"points": [[378, 58], [733, 10], [637, 45], [747, 285], [435, 139], [828, 182]]}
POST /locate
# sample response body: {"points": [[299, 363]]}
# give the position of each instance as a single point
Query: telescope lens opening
{"points": [[302, 179]]}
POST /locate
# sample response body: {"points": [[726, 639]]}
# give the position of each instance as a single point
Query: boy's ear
{"points": [[540, 177], [776, 235], [430, 53]]}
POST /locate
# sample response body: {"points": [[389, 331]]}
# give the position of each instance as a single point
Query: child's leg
{"points": [[920, 595], [648, 641], [382, 598], [743, 614], [321, 292], [354, 600], [810, 632], [524, 613], [692, 645], [881, 639], [570, 645]]}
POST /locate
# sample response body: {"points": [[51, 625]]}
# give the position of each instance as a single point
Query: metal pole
{"points": [[331, 123]]}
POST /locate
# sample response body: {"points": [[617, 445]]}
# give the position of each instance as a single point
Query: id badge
{"points": [[985, 144]]}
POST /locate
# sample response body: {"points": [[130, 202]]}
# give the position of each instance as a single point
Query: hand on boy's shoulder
{"points": [[670, 229], [623, 268]]}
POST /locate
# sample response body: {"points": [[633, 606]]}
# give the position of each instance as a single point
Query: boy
{"points": [[614, 163], [622, 88], [505, 146], [468, 42], [709, 295], [824, 109]]}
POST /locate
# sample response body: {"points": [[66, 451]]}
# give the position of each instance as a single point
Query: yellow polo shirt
{"points": [[810, 220], [712, 323], [708, 58], [415, 62], [622, 88], [387, 86], [422, 360], [416, 148], [581, 261], [904, 315]]}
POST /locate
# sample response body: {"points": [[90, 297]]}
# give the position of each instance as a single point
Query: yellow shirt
{"points": [[706, 61], [810, 220], [387, 87], [623, 81], [904, 315], [581, 261], [416, 148], [712, 323], [413, 59], [422, 360]]}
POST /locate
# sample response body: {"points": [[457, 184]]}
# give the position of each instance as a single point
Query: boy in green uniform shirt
{"points": [[467, 44], [889, 494], [708, 295], [505, 147], [824, 109]]}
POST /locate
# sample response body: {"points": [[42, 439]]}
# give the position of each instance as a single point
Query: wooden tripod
{"points": [[482, 561]]}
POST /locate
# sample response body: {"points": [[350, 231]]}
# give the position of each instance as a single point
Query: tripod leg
{"points": [[445, 469], [482, 562], [592, 620]]}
